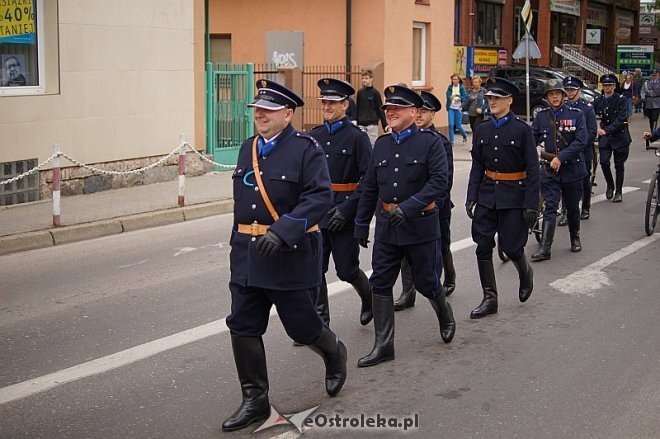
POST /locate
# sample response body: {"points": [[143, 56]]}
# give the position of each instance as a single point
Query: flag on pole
{"points": [[526, 15]]}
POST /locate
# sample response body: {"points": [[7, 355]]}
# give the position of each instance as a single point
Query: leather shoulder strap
{"points": [[260, 183]]}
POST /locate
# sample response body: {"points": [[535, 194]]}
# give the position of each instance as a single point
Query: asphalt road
{"points": [[124, 337]]}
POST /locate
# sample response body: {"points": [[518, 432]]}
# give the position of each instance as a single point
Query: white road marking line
{"points": [[647, 181], [591, 278], [601, 197], [184, 250], [133, 265]]}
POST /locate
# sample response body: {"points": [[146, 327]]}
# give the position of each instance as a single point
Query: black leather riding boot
{"points": [[250, 358], [487, 277], [361, 285], [526, 276], [574, 232], [543, 253], [407, 297], [618, 195], [563, 219], [607, 174], [322, 303], [586, 205], [445, 316], [450, 274], [334, 355], [384, 329]]}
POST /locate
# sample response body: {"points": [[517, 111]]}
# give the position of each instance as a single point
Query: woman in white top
{"points": [[456, 96]]}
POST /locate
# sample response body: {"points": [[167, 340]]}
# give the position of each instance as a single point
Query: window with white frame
{"points": [[419, 55], [21, 47]]}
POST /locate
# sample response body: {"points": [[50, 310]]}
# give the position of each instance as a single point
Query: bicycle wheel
{"points": [[651, 214]]}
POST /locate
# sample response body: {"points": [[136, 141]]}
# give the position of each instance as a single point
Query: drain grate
{"points": [[21, 191]]}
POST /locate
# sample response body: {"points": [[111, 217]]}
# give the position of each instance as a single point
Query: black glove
{"points": [[469, 208], [364, 242], [530, 217], [397, 217], [337, 221], [269, 244]]}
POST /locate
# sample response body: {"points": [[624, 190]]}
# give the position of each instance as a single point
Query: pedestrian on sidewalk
{"points": [[347, 150], [562, 131], [406, 179], [628, 92], [369, 111], [424, 121], [638, 82], [650, 94], [614, 137], [477, 105], [456, 97], [276, 246], [503, 192]]}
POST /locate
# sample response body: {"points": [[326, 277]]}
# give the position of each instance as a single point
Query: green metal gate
{"points": [[230, 88]]}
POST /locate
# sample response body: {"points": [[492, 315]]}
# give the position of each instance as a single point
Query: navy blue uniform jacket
{"points": [[613, 115], [412, 174], [563, 132], [445, 199], [348, 151], [297, 181], [506, 148], [592, 125]]}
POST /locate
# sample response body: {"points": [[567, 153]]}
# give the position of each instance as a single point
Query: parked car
{"points": [[538, 76]]}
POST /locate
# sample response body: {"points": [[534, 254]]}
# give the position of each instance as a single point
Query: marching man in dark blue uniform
{"points": [[503, 192], [573, 86], [424, 121], [281, 192], [614, 137], [347, 149], [562, 132], [406, 176]]}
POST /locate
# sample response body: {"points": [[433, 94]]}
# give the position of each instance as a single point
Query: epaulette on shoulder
{"points": [[316, 127], [575, 109], [519, 120], [310, 138], [426, 130]]}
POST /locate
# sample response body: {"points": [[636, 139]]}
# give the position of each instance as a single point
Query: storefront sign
{"points": [[571, 7], [17, 22], [645, 30], [597, 16], [649, 41], [593, 36], [481, 60], [629, 57], [646, 19], [625, 19], [623, 32]]}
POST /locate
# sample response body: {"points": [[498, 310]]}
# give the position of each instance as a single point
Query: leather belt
{"points": [[506, 176], [344, 187], [391, 206], [255, 229]]}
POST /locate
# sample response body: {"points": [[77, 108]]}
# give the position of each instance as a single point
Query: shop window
{"points": [[419, 55], [489, 24], [22, 47]]}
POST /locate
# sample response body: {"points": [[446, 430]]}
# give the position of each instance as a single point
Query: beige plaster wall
{"points": [[128, 83]]}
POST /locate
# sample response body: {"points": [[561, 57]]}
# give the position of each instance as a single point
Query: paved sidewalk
{"points": [[29, 226]]}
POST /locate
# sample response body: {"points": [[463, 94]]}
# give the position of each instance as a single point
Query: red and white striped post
{"points": [[57, 176], [182, 170]]}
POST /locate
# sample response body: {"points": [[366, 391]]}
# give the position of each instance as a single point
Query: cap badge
{"points": [[263, 83], [326, 81], [492, 80], [552, 82], [391, 89]]}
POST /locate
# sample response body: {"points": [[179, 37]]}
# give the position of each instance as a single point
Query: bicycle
{"points": [[653, 196]]}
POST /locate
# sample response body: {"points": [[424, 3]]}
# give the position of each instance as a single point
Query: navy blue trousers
{"points": [[511, 229], [553, 190], [250, 312], [345, 253], [424, 258]]}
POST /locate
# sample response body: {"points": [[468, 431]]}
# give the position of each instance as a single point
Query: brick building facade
{"points": [[495, 24]]}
